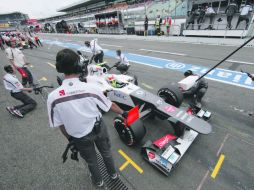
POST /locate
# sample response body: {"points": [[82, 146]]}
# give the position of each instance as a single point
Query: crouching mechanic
{"points": [[122, 65], [12, 84], [96, 50], [197, 91], [74, 108]]}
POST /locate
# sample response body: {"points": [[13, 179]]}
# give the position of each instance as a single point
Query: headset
{"points": [[75, 68], [8, 69]]}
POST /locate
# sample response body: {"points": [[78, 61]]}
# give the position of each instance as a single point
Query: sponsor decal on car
{"points": [[160, 143], [170, 109]]}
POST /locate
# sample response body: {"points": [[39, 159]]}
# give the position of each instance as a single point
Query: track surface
{"points": [[31, 151]]}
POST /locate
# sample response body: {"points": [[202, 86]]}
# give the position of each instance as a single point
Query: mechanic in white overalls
{"points": [[74, 108], [12, 84], [122, 65], [96, 50]]}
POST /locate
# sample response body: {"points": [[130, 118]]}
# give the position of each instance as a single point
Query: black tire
{"points": [[130, 135], [171, 94]]}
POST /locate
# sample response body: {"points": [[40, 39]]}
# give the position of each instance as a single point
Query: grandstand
{"points": [[10, 21], [131, 15], [131, 12]]}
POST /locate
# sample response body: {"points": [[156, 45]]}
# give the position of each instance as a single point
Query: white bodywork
{"points": [[98, 76]]}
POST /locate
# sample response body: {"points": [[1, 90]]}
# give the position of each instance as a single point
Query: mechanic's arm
{"points": [[27, 89], [115, 108], [64, 132]]}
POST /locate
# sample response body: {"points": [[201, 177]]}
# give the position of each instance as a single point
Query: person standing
{"points": [[146, 26], [96, 50], [191, 20], [201, 16], [12, 84], [158, 22], [211, 14], [74, 108], [17, 60], [168, 23], [244, 15], [230, 11]]}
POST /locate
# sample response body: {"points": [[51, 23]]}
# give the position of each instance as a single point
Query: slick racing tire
{"points": [[130, 135], [171, 95]]}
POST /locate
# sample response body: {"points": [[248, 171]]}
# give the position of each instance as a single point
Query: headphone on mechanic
{"points": [[188, 73], [63, 65], [8, 69]]}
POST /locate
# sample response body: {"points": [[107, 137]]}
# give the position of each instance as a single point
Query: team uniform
{"points": [[123, 65], [75, 105], [12, 84], [97, 51], [17, 57]]}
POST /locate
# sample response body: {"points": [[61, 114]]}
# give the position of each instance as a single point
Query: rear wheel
{"points": [[171, 94]]}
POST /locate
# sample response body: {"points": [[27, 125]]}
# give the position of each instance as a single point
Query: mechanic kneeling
{"points": [[12, 84], [122, 65], [198, 90], [73, 107]]}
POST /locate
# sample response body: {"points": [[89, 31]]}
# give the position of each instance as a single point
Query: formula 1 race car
{"points": [[123, 89], [164, 153]]}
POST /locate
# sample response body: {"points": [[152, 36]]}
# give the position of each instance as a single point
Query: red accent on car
{"points": [[151, 155], [22, 72], [133, 115], [170, 109], [160, 143], [190, 111], [61, 92]]}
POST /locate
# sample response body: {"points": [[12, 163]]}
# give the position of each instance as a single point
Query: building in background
{"points": [[209, 17], [11, 21]]}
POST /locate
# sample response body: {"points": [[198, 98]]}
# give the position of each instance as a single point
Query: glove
{"points": [[74, 152], [125, 114]]}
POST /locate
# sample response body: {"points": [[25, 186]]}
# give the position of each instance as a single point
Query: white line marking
{"points": [[203, 180], [110, 45], [222, 144], [50, 64], [145, 64], [242, 62], [180, 54], [147, 86]]}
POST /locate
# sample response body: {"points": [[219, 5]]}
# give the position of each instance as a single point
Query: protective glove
{"points": [[125, 114]]}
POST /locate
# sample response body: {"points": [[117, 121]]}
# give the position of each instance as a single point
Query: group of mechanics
{"points": [[75, 106], [23, 40]]}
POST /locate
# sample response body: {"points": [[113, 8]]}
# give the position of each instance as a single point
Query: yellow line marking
{"points": [[218, 166], [124, 165], [50, 64], [129, 161], [147, 86], [43, 78]]}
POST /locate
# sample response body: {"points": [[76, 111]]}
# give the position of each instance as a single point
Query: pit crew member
{"points": [[197, 91], [122, 65], [12, 84], [74, 108], [17, 60], [96, 50]]}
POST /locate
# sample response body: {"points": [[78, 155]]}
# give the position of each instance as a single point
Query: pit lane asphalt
{"points": [[31, 151]]}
